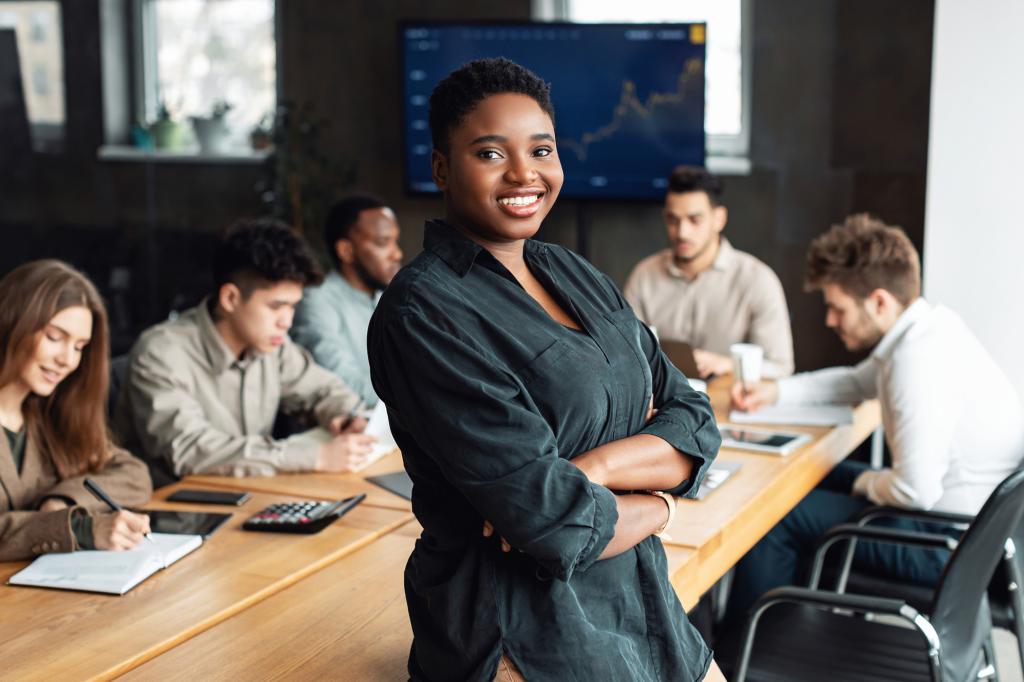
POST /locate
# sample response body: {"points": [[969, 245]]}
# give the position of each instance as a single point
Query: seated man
{"points": [[703, 291], [332, 319], [952, 420], [203, 390]]}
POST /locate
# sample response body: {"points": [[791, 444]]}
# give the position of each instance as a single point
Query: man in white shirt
{"points": [[953, 422]]}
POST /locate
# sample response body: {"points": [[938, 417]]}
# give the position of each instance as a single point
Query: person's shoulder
{"points": [[170, 338], [321, 292], [424, 281], [752, 267], [652, 264]]}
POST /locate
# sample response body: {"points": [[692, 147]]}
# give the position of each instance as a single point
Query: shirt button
{"points": [[35, 549]]}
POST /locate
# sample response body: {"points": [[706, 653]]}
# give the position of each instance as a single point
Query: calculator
{"points": [[307, 516]]}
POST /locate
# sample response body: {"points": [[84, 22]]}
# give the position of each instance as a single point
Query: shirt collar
{"points": [[457, 251], [723, 260], [915, 312], [460, 252], [217, 352]]}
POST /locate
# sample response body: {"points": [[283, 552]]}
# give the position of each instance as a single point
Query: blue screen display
{"points": [[629, 98]]}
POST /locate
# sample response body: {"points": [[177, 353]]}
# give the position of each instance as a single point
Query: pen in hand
{"points": [[101, 495]]}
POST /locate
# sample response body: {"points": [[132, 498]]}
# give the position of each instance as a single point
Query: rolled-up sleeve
{"points": [[684, 419], [475, 420]]}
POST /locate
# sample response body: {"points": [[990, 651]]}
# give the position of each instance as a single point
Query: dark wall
{"points": [[840, 115]]}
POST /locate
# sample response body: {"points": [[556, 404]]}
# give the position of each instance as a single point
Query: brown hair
{"points": [[864, 254], [70, 424]]}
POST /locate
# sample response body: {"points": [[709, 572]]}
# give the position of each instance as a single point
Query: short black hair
{"points": [[696, 179], [255, 252], [342, 218], [461, 90]]}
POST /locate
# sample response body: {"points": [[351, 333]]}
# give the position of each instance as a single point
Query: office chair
{"points": [[796, 633], [1006, 600]]}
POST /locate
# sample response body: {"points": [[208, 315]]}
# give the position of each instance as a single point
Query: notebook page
{"points": [[108, 572]]}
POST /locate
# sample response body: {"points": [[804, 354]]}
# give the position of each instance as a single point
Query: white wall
{"points": [[974, 216]]}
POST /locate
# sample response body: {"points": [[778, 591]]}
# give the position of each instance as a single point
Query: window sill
{"points": [[117, 152], [728, 165]]}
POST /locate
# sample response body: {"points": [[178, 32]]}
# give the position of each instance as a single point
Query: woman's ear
{"points": [[439, 169]]}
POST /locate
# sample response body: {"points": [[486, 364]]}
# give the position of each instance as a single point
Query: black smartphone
{"points": [[209, 496]]}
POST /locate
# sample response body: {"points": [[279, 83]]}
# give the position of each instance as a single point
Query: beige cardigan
{"points": [[26, 532]]}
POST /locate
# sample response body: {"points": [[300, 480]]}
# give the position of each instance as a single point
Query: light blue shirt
{"points": [[331, 322]]}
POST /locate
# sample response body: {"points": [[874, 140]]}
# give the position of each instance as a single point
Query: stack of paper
{"points": [[109, 572]]}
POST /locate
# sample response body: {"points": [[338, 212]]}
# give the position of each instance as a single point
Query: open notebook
{"points": [[109, 572]]}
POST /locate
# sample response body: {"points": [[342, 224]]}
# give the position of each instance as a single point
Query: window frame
{"points": [[145, 70], [722, 150]]}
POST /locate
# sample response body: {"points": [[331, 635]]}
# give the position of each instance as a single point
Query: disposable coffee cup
{"points": [[747, 362]]}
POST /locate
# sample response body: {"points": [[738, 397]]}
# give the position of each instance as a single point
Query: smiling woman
{"points": [[530, 405], [53, 389]]}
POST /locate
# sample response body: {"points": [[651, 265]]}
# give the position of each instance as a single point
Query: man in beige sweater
{"points": [[703, 291], [203, 390]]}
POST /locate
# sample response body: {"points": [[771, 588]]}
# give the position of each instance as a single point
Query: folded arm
{"points": [[499, 453]]}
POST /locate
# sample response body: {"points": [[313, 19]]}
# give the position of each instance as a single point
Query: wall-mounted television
{"points": [[629, 98]]}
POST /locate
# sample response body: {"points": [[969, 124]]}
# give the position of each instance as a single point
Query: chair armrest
{"points": [[879, 512], [853, 532], [850, 531], [825, 599], [830, 600]]}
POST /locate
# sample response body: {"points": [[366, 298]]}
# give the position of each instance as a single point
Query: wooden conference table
{"points": [[331, 606], [355, 608]]}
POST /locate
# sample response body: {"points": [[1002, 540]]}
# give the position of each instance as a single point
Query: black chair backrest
{"points": [[118, 373], [960, 602]]}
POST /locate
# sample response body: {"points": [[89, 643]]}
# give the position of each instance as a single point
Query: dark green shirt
{"points": [[489, 398], [16, 440]]}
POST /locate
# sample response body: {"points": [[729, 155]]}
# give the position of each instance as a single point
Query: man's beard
{"points": [[369, 280]]}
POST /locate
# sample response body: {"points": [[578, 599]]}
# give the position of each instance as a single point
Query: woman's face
{"points": [[502, 174], [58, 350]]}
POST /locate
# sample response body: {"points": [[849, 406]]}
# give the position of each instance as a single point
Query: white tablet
{"points": [[761, 440]]}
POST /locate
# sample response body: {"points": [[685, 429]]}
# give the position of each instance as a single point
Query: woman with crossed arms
{"points": [[526, 398]]}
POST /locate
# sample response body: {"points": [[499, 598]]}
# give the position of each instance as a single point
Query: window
{"points": [[37, 29], [197, 56], [727, 113]]}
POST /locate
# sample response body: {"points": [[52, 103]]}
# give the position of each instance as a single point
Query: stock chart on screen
{"points": [[628, 98]]}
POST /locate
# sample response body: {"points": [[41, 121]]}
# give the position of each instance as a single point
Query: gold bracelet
{"points": [[671, 502]]}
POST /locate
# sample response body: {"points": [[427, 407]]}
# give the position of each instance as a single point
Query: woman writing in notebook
{"points": [[538, 419], [54, 375]]}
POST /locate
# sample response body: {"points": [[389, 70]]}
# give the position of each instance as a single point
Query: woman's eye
{"points": [[488, 154], [53, 337], [543, 151]]}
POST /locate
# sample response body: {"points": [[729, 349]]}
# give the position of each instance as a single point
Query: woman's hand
{"points": [[119, 530], [489, 531], [52, 504]]}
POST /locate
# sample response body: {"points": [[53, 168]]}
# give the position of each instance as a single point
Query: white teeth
{"points": [[519, 201]]}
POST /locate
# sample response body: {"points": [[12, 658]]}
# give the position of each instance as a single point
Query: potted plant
{"points": [[262, 135], [165, 131], [212, 131]]}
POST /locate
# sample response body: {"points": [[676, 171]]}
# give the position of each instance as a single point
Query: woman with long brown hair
{"points": [[54, 377]]}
